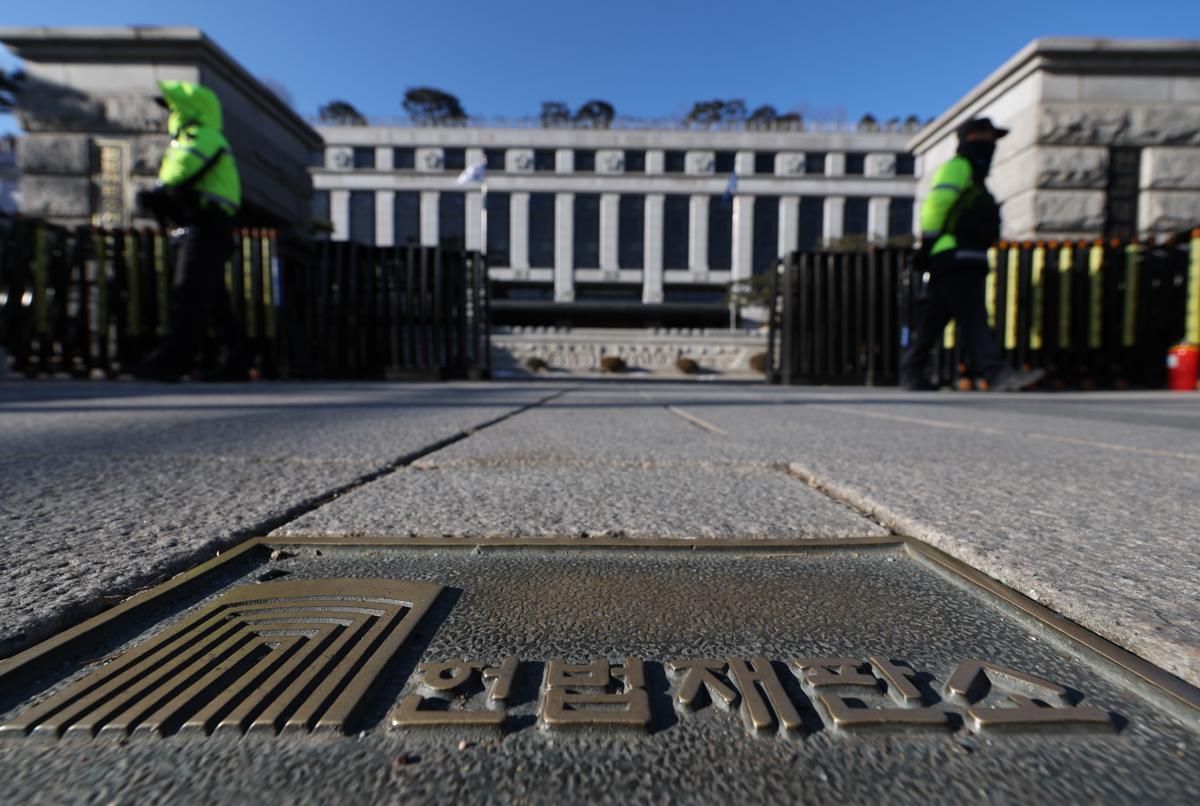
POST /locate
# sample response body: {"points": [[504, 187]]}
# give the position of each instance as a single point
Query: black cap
{"points": [[980, 125]]}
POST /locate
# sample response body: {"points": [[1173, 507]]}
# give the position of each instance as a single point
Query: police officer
{"points": [[198, 193], [960, 220]]}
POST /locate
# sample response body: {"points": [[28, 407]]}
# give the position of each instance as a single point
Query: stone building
{"points": [[581, 218], [9, 194], [1105, 138], [94, 133]]}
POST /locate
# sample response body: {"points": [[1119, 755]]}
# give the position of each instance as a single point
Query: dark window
{"points": [[495, 160], [587, 231], [900, 218], [856, 163], [694, 294], [454, 159], [406, 218], [608, 292], [674, 162], [766, 233], [404, 159], [452, 220], [814, 163], [720, 233], [764, 162], [811, 227], [541, 230], [362, 216], [585, 161], [725, 162], [523, 292], [635, 162], [364, 158], [676, 218], [854, 221], [320, 206], [906, 165], [631, 232], [498, 229], [543, 159], [1121, 202]]}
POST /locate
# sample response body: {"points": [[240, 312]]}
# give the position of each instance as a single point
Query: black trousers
{"points": [[200, 296], [956, 291]]}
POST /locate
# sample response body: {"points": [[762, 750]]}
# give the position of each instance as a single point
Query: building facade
{"points": [[594, 216], [1105, 138]]}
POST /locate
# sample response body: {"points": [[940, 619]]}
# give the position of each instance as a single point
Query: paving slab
{"points": [[664, 500], [1078, 513], [776, 630], [104, 488]]}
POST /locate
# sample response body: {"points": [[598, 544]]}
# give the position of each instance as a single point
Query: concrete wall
{"points": [[1068, 102], [90, 119]]}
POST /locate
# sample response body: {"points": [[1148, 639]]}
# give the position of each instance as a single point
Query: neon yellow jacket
{"points": [[195, 126], [950, 182]]}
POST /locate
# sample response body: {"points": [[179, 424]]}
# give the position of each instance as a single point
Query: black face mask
{"points": [[980, 153]]}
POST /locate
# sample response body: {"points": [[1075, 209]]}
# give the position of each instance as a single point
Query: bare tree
{"points": [[762, 117], [555, 114], [706, 113], [734, 111], [868, 123], [340, 113]]}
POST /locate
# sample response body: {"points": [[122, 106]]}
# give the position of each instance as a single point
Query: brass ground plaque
{"points": [[278, 656]]}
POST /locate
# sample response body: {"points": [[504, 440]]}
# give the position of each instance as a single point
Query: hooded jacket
{"points": [[199, 156]]}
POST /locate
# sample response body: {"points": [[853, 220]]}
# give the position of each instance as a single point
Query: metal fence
{"points": [[89, 302], [1092, 314]]}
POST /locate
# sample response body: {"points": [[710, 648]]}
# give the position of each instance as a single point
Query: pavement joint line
{"points": [[700, 423], [1190, 457], [981, 429], [250, 535], [1175, 690]]}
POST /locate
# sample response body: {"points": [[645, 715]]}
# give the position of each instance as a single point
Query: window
{"points": [[694, 294], [587, 231], [541, 230], [523, 292], [498, 223], [495, 160], [814, 164], [900, 218], [364, 158], [854, 221], [674, 162], [725, 162], [764, 162], [906, 165], [454, 159], [720, 233], [452, 220], [676, 217], [811, 227], [608, 292], [585, 161], [635, 162], [404, 159], [766, 233], [362, 216], [631, 232], [543, 159], [406, 218], [856, 162], [320, 206]]}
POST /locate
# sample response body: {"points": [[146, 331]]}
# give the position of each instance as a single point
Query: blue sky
{"points": [[650, 58]]}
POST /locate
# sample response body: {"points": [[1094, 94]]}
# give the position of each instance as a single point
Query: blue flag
{"points": [[730, 190]]}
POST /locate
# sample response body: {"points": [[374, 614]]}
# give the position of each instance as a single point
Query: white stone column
{"points": [[835, 218], [610, 210], [743, 237], [877, 218], [518, 231], [652, 263], [339, 211], [429, 217], [564, 247], [789, 224], [385, 218], [698, 233], [383, 158], [474, 205]]}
